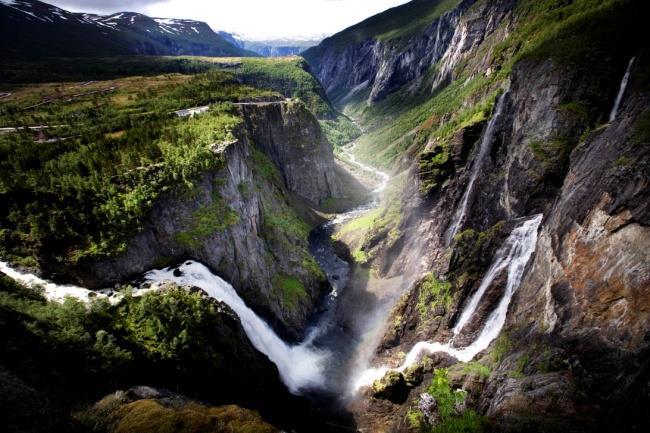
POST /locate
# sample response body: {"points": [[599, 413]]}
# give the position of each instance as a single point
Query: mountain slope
{"points": [[493, 113], [30, 28]]}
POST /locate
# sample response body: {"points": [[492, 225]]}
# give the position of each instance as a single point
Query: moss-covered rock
{"points": [[391, 387], [144, 409]]}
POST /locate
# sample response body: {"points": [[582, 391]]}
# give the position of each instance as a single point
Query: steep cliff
{"points": [[380, 55], [511, 121], [241, 220]]}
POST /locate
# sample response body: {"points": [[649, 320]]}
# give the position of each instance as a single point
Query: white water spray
{"points": [[513, 255], [300, 366], [484, 146], [621, 91]]}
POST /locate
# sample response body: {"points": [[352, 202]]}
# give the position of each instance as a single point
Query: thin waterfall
{"points": [[621, 91], [513, 256], [486, 141]]}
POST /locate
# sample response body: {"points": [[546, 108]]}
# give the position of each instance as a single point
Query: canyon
{"points": [[473, 258]]}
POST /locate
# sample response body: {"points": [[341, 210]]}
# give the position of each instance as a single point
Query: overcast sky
{"points": [[252, 18]]}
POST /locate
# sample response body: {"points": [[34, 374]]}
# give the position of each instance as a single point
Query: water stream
{"points": [[486, 142], [621, 91]]}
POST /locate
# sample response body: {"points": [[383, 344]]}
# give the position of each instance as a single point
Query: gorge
{"points": [[436, 220]]}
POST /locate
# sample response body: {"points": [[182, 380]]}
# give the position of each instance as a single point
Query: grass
{"points": [[292, 290], [500, 348], [448, 401], [394, 24], [474, 367]]}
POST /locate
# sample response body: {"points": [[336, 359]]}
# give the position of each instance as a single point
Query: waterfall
{"points": [[56, 292], [300, 366], [484, 146], [513, 255], [621, 91]]}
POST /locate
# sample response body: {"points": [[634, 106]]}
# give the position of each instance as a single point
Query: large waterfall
{"points": [[621, 91], [513, 256], [300, 366], [486, 142]]}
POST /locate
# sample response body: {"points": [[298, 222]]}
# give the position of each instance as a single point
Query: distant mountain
{"points": [[280, 47], [33, 28]]}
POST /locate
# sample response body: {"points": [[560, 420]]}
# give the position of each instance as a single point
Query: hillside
{"points": [[30, 28], [513, 131]]}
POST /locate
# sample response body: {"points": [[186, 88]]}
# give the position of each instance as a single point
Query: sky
{"points": [[254, 19]]}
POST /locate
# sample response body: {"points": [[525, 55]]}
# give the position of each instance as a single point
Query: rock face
{"points": [[241, 220], [574, 350], [376, 66], [292, 139]]}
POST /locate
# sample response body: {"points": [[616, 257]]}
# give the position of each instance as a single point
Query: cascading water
{"points": [[513, 256], [300, 366], [484, 147], [621, 91]]}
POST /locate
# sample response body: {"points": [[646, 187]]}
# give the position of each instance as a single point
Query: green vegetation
{"points": [[364, 222], [502, 345], [77, 192], [553, 154], [474, 367], [449, 402], [417, 120], [291, 289], [473, 252], [289, 76], [176, 339], [205, 221], [83, 194], [340, 131], [433, 293], [522, 363], [397, 23], [641, 135]]}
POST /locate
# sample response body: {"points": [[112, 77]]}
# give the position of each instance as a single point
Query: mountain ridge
{"points": [[32, 28]]}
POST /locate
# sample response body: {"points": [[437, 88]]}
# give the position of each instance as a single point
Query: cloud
{"points": [[104, 6], [256, 19]]}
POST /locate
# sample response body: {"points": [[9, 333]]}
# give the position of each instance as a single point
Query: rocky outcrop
{"points": [[585, 297], [291, 137], [242, 220]]}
